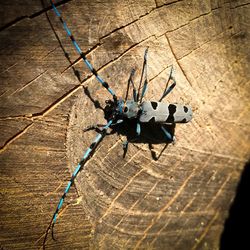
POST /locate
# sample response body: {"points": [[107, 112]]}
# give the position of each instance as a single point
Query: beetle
{"points": [[148, 111], [119, 111]]}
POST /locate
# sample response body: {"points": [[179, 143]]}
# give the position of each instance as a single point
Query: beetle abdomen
{"points": [[164, 112]]}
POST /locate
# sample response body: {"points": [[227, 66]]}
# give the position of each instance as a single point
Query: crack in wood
{"points": [[177, 61], [138, 19], [14, 138], [159, 73], [240, 5], [50, 52], [56, 189], [11, 66], [21, 18]]}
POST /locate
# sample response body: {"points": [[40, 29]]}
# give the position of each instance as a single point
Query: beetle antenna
{"points": [[81, 53], [89, 150]]}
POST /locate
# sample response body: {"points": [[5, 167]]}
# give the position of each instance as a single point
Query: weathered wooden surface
{"points": [[178, 202]]}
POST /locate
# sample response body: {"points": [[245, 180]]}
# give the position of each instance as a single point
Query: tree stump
{"points": [[179, 201]]}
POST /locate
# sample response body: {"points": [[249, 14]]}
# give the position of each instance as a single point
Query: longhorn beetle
{"points": [[118, 111]]}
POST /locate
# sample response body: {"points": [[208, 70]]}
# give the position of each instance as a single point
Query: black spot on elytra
{"points": [[184, 120], [152, 119], [185, 109], [154, 105], [171, 110]]}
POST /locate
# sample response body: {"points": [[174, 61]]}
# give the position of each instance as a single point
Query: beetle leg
{"points": [[95, 127], [167, 134], [117, 122], [171, 87], [138, 128], [125, 148], [130, 81], [143, 75]]}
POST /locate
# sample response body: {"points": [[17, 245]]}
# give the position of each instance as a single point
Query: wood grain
{"points": [[181, 200]]}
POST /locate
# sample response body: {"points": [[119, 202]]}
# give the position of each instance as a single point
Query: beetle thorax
{"points": [[131, 109]]}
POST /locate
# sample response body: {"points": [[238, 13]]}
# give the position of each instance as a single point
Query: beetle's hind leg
{"points": [[125, 143], [168, 135], [171, 87], [125, 148], [153, 152]]}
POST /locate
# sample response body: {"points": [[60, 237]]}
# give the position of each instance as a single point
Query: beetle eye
{"points": [[125, 110]]}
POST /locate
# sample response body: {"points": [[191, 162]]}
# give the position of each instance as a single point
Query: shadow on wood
{"points": [[235, 234]]}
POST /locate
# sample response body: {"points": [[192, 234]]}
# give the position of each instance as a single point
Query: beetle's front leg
{"points": [[95, 127]]}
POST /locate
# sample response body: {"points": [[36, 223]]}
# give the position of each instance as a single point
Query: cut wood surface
{"points": [[48, 96]]}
